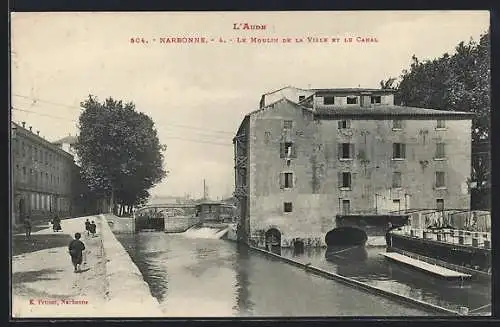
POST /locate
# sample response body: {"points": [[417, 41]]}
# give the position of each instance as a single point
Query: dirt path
{"points": [[44, 284]]}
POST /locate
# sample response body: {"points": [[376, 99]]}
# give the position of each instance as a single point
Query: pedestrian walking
{"points": [[93, 228], [27, 227], [56, 224], [87, 227], [76, 248]]}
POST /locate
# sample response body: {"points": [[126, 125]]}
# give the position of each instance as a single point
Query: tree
{"points": [[460, 82], [121, 156]]}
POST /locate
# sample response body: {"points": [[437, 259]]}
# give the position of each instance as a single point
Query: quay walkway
{"points": [[45, 286]]}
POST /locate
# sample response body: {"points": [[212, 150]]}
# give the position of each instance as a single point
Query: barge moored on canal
{"points": [[464, 251]]}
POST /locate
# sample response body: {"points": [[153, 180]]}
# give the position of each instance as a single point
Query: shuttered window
{"points": [[344, 124], [399, 151], [440, 151], [288, 150], [286, 180], [440, 181], [396, 179], [346, 150], [344, 180]]}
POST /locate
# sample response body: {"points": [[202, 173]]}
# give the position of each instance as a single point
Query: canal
{"points": [[199, 277], [365, 264]]}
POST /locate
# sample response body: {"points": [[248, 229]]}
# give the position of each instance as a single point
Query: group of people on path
{"points": [[56, 226], [90, 227], [76, 246]]}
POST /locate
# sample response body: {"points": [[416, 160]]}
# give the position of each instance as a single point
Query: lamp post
{"points": [[376, 203]]}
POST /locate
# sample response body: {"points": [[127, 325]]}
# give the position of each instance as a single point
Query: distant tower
{"points": [[205, 190]]}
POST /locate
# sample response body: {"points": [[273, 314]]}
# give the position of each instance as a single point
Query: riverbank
{"points": [[44, 284]]}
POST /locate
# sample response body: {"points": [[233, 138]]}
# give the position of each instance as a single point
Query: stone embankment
{"points": [[127, 293]]}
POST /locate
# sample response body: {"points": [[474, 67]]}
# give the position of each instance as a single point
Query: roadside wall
{"points": [[179, 224], [120, 224], [128, 294]]}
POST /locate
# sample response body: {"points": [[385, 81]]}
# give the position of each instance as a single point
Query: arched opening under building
{"points": [[345, 236], [298, 246], [273, 240]]}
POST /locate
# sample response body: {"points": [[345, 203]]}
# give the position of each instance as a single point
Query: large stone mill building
{"points": [[308, 155]]}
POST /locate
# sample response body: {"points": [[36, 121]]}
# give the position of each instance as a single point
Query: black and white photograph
{"points": [[263, 164]]}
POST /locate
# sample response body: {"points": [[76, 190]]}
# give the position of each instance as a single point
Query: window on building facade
{"points": [[352, 100], [396, 204], [288, 182], [440, 204], [301, 97], [399, 151], [287, 124], [345, 180], [346, 207], [440, 153], [30, 177], [288, 150], [328, 100], [396, 179], [287, 207], [440, 124], [397, 124], [24, 175], [376, 99], [440, 181], [346, 150], [23, 146], [344, 124]]}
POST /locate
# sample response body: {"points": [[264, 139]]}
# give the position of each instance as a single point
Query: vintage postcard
{"points": [[250, 164]]}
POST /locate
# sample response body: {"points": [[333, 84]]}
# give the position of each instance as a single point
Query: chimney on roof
{"points": [[31, 129], [38, 133], [24, 124]]}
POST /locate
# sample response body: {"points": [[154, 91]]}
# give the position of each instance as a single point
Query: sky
{"points": [[198, 94]]}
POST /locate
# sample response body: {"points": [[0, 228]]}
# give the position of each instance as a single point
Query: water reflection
{"points": [[207, 278], [241, 265], [365, 264]]}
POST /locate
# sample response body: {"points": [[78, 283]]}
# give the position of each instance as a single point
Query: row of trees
{"points": [[457, 82], [120, 154]]}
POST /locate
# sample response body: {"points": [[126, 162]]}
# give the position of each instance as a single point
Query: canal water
{"points": [[365, 264], [206, 277]]}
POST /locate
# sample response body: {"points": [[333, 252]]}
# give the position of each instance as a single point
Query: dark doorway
{"points": [[273, 240], [298, 246]]}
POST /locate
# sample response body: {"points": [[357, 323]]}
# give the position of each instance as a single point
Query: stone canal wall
{"points": [[128, 294], [121, 224]]}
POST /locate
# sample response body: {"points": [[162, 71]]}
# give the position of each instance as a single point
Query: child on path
{"points": [[76, 248], [87, 227], [27, 227], [93, 228]]}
